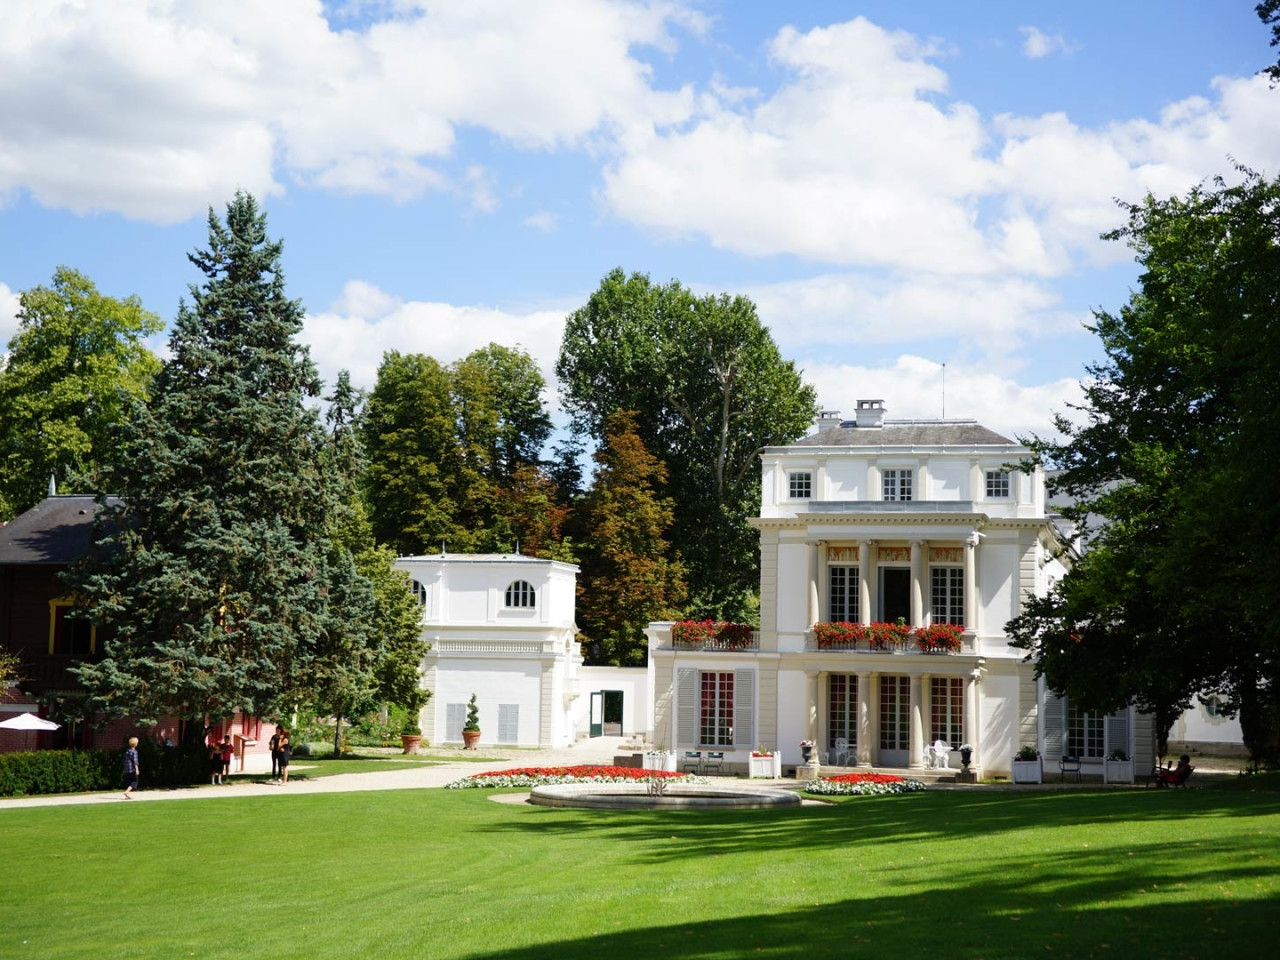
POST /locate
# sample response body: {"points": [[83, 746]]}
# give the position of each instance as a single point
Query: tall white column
{"points": [[866, 581], [918, 548], [811, 707], [971, 583], [915, 728], [971, 718], [865, 680], [873, 733], [821, 722], [811, 549]]}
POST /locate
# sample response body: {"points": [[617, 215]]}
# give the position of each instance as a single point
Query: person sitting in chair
{"points": [[1171, 777]]}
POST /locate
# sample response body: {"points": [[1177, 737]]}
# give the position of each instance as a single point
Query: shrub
{"points": [[79, 771]]}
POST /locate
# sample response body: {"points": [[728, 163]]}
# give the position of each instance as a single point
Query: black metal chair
{"points": [[714, 761], [1069, 765], [692, 760]]}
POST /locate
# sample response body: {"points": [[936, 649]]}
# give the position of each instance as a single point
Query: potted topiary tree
{"points": [[411, 732], [471, 729]]}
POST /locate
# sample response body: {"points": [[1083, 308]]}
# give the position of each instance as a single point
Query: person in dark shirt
{"points": [[131, 768]]}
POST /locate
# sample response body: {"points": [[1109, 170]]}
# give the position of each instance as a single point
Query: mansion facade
{"points": [[873, 521]]}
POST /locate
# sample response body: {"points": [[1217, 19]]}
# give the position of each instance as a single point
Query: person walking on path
{"points": [[285, 749], [274, 745], [227, 751], [131, 767], [215, 764]]}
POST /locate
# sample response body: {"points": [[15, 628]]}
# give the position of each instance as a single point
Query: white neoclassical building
{"points": [[501, 626], [877, 520]]}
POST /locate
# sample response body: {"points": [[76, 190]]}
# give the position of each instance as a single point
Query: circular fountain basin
{"points": [[636, 796]]}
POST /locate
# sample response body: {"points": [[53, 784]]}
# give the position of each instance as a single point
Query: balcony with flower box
{"points": [[938, 638], [713, 636]]}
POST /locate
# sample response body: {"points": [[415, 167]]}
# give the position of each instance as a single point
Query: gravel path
{"points": [[598, 750]]}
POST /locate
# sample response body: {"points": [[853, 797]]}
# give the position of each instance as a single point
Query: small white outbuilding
{"points": [[501, 626]]}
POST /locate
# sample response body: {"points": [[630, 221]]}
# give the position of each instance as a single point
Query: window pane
{"points": [[842, 598], [715, 710]]}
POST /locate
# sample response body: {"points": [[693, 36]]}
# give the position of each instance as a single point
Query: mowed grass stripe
{"points": [[432, 873]]}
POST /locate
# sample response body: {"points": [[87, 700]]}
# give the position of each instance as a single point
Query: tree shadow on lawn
{"points": [[941, 815], [1106, 908]]}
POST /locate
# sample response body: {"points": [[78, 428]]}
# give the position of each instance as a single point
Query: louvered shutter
{"points": [[686, 707], [1055, 724], [455, 718], [744, 708], [1118, 732]]}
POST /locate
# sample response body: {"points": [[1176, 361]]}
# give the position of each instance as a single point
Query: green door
{"points": [[597, 714]]}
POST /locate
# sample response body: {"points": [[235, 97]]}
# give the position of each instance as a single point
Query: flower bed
{"points": [[583, 773], [862, 784]]}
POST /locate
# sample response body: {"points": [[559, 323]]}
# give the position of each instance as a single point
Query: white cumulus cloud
{"points": [[1036, 44], [156, 109], [8, 315], [913, 387], [365, 322], [860, 159]]}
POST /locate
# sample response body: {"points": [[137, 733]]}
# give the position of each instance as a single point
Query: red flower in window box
{"points": [[939, 638]]}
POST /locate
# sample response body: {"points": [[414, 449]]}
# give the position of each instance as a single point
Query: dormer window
{"points": [[800, 485], [520, 595], [896, 484], [997, 484]]}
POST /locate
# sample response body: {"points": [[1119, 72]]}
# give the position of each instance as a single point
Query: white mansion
{"points": [[919, 521]]}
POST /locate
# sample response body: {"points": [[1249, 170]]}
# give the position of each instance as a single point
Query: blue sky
{"points": [[897, 186]]}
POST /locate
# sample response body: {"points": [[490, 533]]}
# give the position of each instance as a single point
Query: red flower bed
{"points": [[582, 770], [866, 778]]}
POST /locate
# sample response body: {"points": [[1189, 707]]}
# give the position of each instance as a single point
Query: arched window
{"points": [[519, 594], [419, 593]]}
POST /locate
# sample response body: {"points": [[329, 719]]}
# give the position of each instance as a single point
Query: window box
{"points": [[766, 766], [1028, 771], [1117, 771], [660, 760]]}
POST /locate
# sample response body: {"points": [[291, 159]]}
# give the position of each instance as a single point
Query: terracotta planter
{"points": [[470, 738], [410, 742]]}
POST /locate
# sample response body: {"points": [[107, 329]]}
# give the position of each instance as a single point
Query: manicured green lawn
{"points": [[434, 873]]}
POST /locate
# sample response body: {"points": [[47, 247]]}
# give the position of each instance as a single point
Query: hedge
{"points": [[81, 771]]}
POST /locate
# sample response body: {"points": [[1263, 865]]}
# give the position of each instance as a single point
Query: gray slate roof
{"points": [[54, 531], [906, 433]]}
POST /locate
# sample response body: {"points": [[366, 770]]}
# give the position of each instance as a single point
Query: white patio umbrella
{"points": [[28, 722]]}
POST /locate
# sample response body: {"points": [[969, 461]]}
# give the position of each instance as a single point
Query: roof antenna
{"points": [[53, 485]]}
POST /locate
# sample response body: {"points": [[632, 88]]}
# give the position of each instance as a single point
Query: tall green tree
{"points": [[408, 433], [217, 581], [75, 360], [450, 448], [386, 669], [1269, 13], [628, 578], [709, 389], [1175, 594]]}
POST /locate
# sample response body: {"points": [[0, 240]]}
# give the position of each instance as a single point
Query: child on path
{"points": [[227, 751]]}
